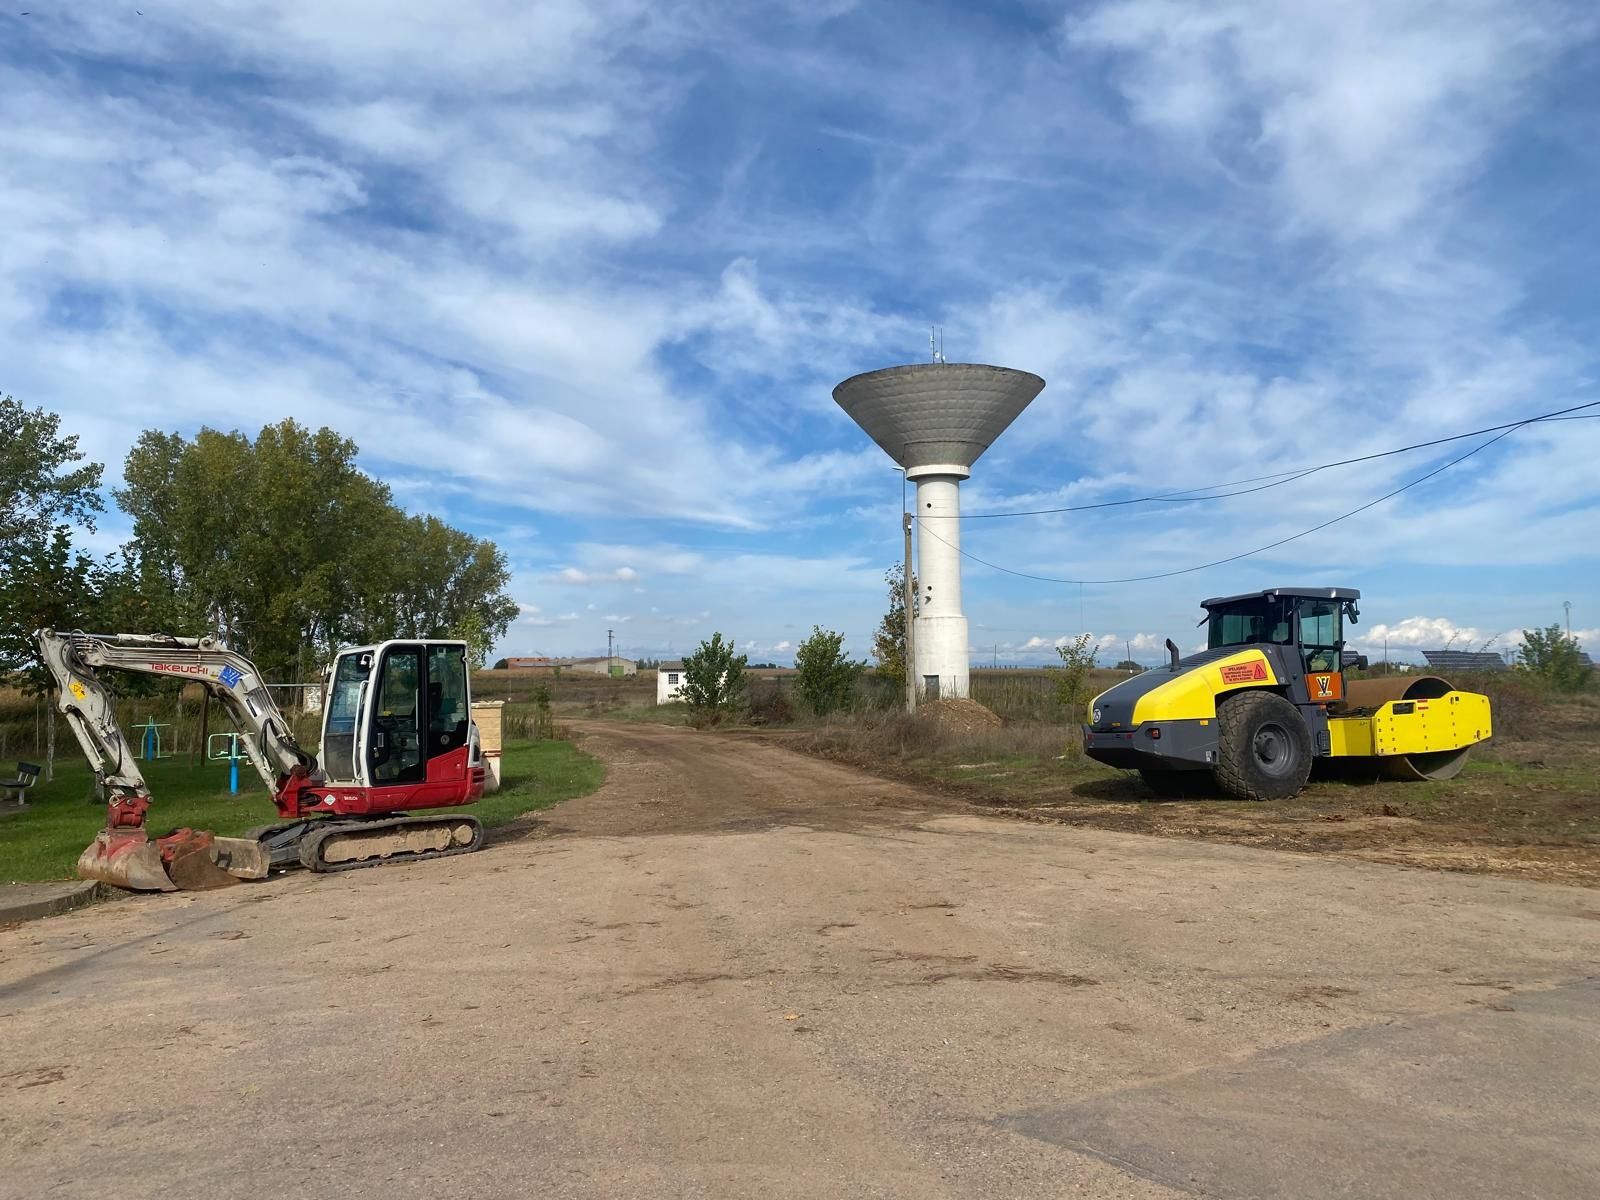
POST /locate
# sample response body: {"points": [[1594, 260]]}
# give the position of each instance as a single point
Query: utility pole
{"points": [[906, 600], [1567, 604], [1127, 648], [611, 658]]}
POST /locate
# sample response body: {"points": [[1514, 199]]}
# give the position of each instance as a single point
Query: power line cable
{"points": [[1185, 496], [1259, 549]]}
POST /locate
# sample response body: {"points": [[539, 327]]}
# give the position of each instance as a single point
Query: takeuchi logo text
{"points": [[181, 668]]}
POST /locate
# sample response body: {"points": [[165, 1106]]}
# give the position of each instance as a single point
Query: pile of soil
{"points": [[958, 716]]}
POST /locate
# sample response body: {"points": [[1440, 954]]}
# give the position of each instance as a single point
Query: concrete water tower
{"points": [[935, 420]]}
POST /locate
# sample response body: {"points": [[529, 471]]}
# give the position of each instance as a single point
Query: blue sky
{"points": [[580, 277]]}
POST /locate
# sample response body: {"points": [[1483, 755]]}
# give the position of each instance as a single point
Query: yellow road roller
{"points": [[1267, 697]]}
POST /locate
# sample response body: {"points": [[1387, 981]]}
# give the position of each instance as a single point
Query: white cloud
{"points": [[1434, 633], [1365, 113], [415, 258], [576, 577]]}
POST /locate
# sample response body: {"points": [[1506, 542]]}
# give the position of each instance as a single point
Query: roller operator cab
{"points": [[1268, 696]]}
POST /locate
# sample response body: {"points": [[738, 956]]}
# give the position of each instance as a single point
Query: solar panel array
{"points": [[1464, 660]]}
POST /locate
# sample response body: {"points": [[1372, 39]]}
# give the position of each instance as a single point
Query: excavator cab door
{"points": [[342, 712], [396, 716]]}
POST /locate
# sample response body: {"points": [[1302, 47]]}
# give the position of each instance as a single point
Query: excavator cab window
{"points": [[342, 716], [448, 715], [394, 733]]}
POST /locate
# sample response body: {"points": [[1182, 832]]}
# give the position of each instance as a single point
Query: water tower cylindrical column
{"points": [[940, 636]]}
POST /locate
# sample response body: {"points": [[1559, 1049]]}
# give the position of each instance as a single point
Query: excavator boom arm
{"points": [[74, 659]]}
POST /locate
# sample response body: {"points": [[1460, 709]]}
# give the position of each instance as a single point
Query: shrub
{"points": [[825, 677], [543, 724], [1072, 685], [769, 706], [713, 680], [1555, 658]]}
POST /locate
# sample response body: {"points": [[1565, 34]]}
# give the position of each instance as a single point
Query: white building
{"points": [[669, 682]]}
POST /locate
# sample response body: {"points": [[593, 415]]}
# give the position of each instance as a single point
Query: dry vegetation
{"points": [[1528, 803]]}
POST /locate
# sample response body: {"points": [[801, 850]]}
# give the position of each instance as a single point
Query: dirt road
{"points": [[737, 971]]}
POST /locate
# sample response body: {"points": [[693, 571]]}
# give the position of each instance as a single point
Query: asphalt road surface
{"points": [[736, 971]]}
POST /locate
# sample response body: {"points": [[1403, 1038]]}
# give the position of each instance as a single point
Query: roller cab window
{"points": [[1253, 622], [1321, 635]]}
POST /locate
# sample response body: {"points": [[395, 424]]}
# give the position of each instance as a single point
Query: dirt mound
{"points": [[958, 716]]}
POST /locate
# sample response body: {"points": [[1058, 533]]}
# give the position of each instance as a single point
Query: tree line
{"points": [[279, 544]]}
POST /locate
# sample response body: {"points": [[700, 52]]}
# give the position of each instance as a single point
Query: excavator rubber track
{"points": [[334, 845]]}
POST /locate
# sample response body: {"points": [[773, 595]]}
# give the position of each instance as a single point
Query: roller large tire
{"points": [[1177, 785], [1263, 748]]}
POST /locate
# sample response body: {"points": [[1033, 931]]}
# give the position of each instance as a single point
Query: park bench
{"points": [[16, 789]]}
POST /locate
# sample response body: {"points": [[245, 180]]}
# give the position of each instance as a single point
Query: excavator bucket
{"points": [[243, 858], [125, 860], [184, 860], [192, 869]]}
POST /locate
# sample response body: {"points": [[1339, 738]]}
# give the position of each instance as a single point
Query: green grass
{"points": [[44, 841]]}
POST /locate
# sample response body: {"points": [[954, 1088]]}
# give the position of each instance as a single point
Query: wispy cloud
{"points": [[594, 267]]}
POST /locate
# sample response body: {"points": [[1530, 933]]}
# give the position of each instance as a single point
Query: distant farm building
{"points": [[669, 682], [1464, 660], [617, 668]]}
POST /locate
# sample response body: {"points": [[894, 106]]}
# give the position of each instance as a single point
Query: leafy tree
{"points": [[470, 629], [1131, 667], [889, 641], [284, 547], [1555, 658], [40, 487], [1077, 660], [713, 679], [453, 586], [48, 585], [825, 675], [43, 494]]}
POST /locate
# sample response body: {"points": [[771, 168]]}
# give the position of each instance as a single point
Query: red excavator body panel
{"points": [[452, 781]]}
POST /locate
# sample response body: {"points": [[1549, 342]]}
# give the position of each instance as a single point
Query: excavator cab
{"points": [[397, 714]]}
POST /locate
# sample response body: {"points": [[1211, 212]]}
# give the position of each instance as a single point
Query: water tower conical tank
{"points": [[936, 420]]}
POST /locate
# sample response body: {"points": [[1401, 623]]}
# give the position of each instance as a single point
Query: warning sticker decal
{"points": [[1250, 672]]}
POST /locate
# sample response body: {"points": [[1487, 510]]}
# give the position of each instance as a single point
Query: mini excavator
{"points": [[397, 735], [1267, 698]]}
